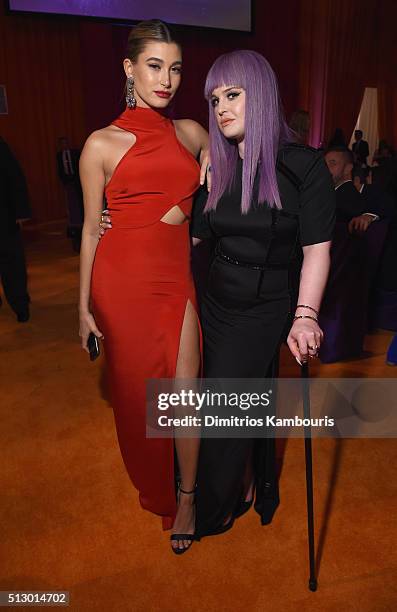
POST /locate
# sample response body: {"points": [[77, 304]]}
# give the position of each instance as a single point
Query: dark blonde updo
{"points": [[145, 32]]}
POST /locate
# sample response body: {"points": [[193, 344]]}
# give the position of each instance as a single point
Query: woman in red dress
{"points": [[136, 286]]}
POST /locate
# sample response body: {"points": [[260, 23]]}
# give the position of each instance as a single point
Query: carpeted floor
{"points": [[70, 518]]}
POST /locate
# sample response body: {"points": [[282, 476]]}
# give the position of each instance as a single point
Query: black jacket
{"points": [[378, 201], [349, 202], [361, 149], [14, 197]]}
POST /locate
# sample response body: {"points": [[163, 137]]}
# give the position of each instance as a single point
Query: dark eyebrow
{"points": [[157, 59], [226, 90]]}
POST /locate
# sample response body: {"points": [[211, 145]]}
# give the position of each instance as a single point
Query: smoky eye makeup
{"points": [[232, 95]]}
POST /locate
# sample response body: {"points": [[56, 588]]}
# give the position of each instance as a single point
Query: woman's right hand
{"points": [[88, 325], [105, 224]]}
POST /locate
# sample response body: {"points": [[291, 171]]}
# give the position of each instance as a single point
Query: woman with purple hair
{"points": [[271, 211]]}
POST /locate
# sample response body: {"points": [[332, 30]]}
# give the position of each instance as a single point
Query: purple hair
{"points": [[265, 129]]}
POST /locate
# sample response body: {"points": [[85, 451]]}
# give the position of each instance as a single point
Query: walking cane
{"points": [[309, 474]]}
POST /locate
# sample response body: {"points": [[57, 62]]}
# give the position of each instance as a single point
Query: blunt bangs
{"points": [[265, 129]]}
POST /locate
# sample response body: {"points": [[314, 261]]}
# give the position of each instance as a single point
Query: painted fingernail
{"points": [[300, 363]]}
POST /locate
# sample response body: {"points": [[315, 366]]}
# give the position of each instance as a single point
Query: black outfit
{"points": [[379, 202], [14, 205], [349, 202], [68, 167], [383, 203], [361, 150], [385, 177], [68, 171], [246, 314]]}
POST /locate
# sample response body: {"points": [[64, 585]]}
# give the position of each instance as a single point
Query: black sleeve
{"points": [[379, 202], [317, 204], [199, 225]]}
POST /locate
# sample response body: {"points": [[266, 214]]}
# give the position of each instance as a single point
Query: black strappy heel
{"points": [[183, 536]]}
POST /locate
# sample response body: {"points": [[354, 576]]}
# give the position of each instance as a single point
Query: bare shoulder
{"points": [[100, 138], [190, 127], [191, 134], [101, 143]]}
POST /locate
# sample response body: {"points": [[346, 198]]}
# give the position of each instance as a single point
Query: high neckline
{"points": [[144, 116]]}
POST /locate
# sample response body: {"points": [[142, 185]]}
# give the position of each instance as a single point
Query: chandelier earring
{"points": [[130, 98]]}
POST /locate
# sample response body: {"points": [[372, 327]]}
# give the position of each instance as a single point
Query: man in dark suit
{"points": [[360, 148], [351, 207], [68, 172], [14, 208], [377, 199]]}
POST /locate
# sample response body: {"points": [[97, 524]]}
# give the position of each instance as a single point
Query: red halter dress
{"points": [[141, 284]]}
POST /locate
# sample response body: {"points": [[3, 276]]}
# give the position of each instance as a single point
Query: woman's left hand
{"points": [[304, 339], [205, 170]]}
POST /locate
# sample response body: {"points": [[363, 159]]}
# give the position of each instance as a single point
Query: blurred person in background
{"points": [[360, 148], [300, 125], [378, 201], [68, 172], [351, 207], [383, 153], [15, 208], [338, 139]]}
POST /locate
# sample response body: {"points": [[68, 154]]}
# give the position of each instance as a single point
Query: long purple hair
{"points": [[265, 129]]}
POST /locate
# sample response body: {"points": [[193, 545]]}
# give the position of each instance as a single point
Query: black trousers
{"points": [[13, 271], [244, 317]]}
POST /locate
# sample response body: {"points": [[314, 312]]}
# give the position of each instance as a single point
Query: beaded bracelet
{"points": [[305, 317], [309, 307]]}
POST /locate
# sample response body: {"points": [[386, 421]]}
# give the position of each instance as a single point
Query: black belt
{"points": [[251, 265]]}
